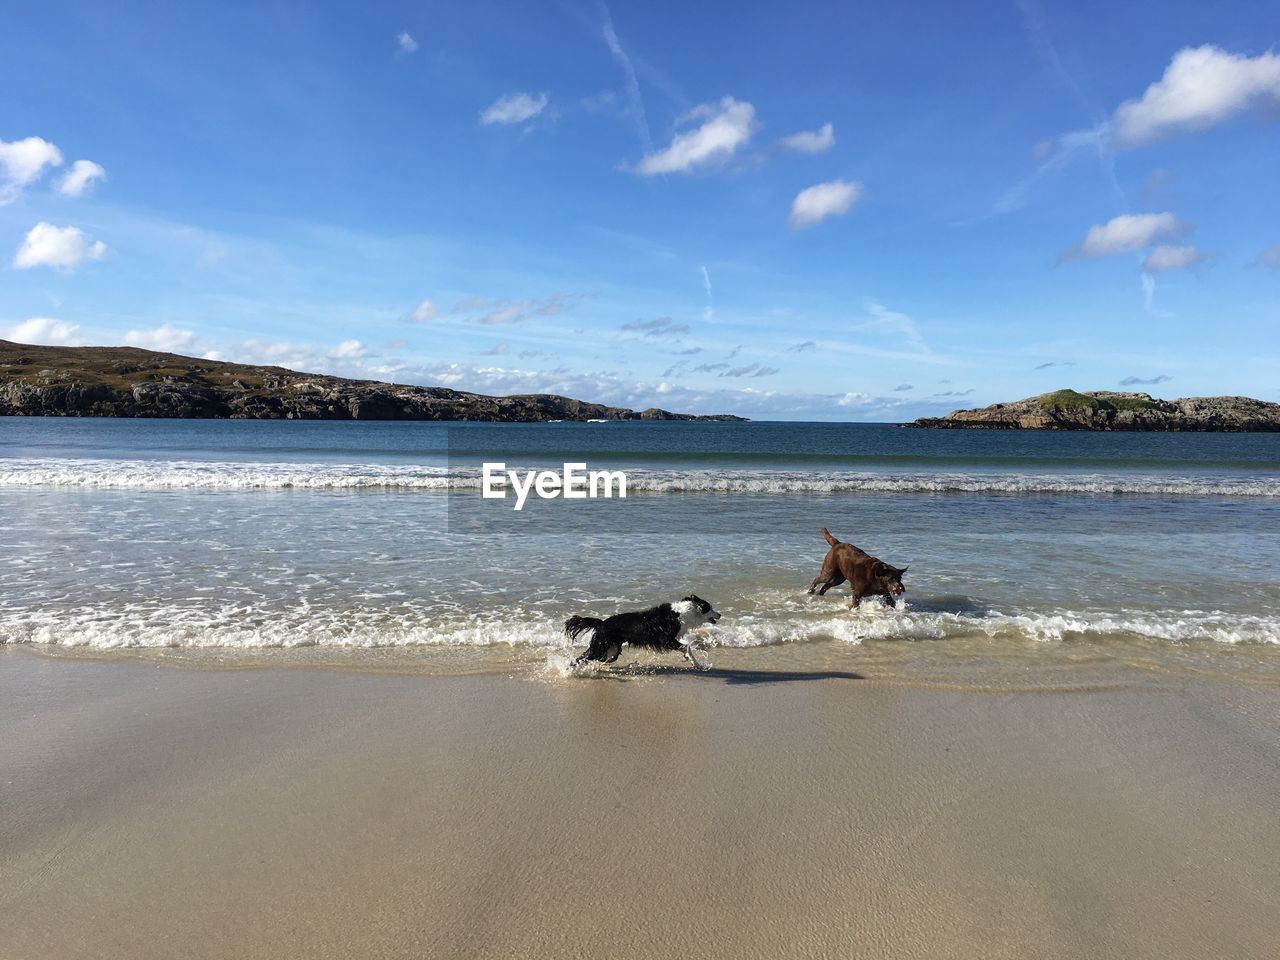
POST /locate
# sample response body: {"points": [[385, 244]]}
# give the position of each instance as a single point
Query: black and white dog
{"points": [[664, 627]]}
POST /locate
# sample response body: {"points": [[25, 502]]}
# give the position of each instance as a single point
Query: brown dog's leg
{"points": [[829, 583]]}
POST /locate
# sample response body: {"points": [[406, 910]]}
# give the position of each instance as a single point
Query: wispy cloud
{"points": [[753, 370], [82, 174], [811, 141], [1158, 180], [659, 327], [814, 204], [424, 312], [1136, 381], [903, 388], [1173, 256], [513, 108], [634, 98], [1054, 363], [802, 347], [883, 319], [489, 312], [724, 127], [405, 43], [1053, 156], [1269, 258]]}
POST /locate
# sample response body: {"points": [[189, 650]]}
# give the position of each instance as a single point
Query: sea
{"points": [[1036, 559]]}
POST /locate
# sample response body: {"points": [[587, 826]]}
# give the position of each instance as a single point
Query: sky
{"points": [[810, 211]]}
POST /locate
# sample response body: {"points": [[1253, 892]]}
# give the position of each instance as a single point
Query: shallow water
{"points": [[368, 544]]}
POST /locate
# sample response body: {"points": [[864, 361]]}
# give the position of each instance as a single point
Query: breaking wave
{"points": [[159, 625], [210, 475]]}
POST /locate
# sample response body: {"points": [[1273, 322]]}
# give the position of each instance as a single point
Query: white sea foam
{"points": [[212, 475], [240, 627]]}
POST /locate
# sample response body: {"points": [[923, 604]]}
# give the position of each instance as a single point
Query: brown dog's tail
{"points": [[826, 535]]}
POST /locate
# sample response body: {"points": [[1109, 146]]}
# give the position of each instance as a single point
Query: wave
{"points": [[245, 628], [214, 475]]}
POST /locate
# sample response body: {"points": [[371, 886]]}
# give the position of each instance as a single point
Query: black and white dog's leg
{"points": [[693, 657]]}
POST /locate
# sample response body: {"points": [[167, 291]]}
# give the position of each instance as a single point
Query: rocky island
{"points": [[1108, 410], [130, 382]]}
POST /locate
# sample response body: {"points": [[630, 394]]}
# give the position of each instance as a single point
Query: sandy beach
{"points": [[153, 811]]}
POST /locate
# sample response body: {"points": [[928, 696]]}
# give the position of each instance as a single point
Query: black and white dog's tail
{"points": [[575, 626]]}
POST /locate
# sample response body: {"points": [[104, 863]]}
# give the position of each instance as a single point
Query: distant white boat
{"points": [[597, 421], [555, 421]]}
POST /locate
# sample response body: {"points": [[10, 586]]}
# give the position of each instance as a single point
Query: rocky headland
{"points": [[129, 382], [1107, 410]]}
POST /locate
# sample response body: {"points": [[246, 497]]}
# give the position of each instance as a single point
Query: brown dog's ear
{"points": [[904, 570], [880, 569]]}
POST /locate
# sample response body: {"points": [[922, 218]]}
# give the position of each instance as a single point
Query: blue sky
{"points": [[810, 211]]}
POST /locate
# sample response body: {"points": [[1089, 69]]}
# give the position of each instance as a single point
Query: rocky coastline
{"points": [[43, 381], [1112, 411]]}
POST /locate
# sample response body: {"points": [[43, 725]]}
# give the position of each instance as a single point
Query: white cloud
{"points": [[22, 162], [1172, 256], [514, 108], [43, 330], [297, 356], [1201, 86], [725, 127], [78, 178], [64, 247], [424, 312], [811, 141], [855, 400], [1269, 258], [349, 350], [406, 43], [1126, 233], [814, 204], [165, 338]]}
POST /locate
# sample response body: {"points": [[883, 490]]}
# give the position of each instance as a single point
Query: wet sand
{"points": [[152, 811]]}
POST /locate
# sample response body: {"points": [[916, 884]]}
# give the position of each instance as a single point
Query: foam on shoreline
{"points": [[247, 476], [157, 625]]}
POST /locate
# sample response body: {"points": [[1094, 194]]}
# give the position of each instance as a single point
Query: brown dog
{"points": [[868, 576]]}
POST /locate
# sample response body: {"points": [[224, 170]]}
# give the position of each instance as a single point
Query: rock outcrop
{"points": [[129, 382], [1106, 410]]}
